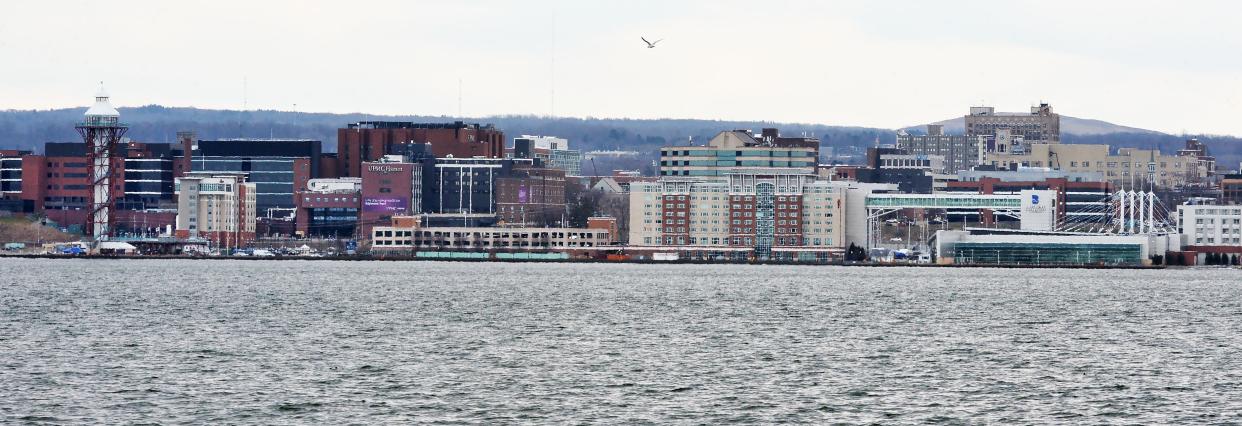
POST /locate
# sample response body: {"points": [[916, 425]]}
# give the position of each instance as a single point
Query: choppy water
{"points": [[383, 342]]}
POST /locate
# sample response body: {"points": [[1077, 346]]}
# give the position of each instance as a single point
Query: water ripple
{"points": [[245, 342]]}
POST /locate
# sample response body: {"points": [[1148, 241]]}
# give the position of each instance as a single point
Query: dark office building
{"points": [[1231, 188], [14, 195], [910, 181], [466, 185], [269, 163], [149, 177]]}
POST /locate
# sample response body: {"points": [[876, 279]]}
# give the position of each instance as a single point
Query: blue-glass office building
{"points": [[269, 163]]}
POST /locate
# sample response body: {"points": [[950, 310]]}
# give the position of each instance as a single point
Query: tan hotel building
{"points": [[217, 206], [1128, 168], [776, 212]]}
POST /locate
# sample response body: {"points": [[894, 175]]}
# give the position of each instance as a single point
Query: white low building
{"points": [[1213, 229], [397, 238], [1210, 225]]}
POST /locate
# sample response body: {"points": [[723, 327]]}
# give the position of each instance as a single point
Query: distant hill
{"points": [[153, 123], [28, 129], [1069, 125]]}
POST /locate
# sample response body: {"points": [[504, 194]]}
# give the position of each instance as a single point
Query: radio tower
{"points": [[102, 133]]}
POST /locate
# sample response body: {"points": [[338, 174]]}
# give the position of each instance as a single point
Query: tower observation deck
{"points": [[101, 132]]}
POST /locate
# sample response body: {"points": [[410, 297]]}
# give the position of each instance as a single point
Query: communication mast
{"points": [[102, 132]]}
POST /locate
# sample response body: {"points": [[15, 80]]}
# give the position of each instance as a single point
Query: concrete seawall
{"points": [[628, 261]]}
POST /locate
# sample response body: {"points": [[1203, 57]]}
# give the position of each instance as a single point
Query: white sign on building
{"points": [[1039, 210]]}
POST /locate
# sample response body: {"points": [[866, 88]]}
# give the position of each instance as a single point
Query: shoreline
{"points": [[361, 258]]}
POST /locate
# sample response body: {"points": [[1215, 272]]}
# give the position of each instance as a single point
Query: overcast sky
{"points": [[1162, 65]]}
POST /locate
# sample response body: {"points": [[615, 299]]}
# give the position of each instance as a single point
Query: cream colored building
{"points": [[216, 206], [476, 238], [741, 210], [1128, 168]]}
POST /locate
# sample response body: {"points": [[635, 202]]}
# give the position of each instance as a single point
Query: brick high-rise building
{"points": [[388, 190], [370, 140], [329, 207]]}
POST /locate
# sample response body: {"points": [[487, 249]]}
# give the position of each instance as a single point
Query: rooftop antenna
{"points": [[459, 98]]}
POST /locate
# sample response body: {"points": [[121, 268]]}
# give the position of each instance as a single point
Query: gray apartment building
{"points": [[960, 152], [986, 131], [1014, 132]]}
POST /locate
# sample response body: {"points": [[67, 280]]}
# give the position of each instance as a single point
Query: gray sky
{"points": [[1162, 65]]}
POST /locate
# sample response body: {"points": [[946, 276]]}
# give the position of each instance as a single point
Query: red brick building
{"points": [[389, 189], [676, 208], [66, 185], [605, 222], [329, 208], [371, 140], [530, 195]]}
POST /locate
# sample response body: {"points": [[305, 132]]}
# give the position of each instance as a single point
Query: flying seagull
{"points": [[651, 44]]}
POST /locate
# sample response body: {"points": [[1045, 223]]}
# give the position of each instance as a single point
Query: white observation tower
{"points": [[102, 133]]}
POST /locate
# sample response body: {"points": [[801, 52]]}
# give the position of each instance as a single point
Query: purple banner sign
{"points": [[385, 205]]}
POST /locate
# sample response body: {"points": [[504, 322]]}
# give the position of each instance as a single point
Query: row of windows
{"points": [[334, 218], [308, 199], [482, 235], [70, 187], [1211, 221], [67, 165], [737, 153], [735, 222], [736, 163], [682, 240], [1212, 240], [718, 171], [1234, 212], [483, 243], [1113, 164], [69, 175]]}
